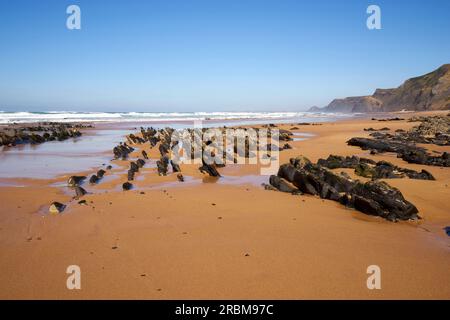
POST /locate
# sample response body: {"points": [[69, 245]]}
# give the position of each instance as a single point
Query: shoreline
{"points": [[190, 241]]}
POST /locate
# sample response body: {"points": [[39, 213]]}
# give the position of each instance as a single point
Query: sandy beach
{"points": [[225, 238]]}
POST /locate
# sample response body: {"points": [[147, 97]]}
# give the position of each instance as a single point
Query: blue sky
{"points": [[208, 55]]}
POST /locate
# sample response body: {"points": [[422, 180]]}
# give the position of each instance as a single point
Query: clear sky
{"points": [[208, 55]]}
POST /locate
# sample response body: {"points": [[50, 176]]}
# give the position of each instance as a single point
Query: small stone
{"points": [[56, 207], [75, 180], [127, 186]]}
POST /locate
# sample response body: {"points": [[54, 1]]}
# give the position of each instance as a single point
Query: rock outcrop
{"points": [[370, 169], [372, 197]]}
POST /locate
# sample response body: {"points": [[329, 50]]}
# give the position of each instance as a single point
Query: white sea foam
{"points": [[72, 116]]}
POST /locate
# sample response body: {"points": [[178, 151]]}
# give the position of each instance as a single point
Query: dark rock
{"points": [[371, 169], [175, 166], [334, 162], [75, 180], [373, 197], [282, 184], [180, 177], [56, 207], [79, 191], [287, 171], [431, 130], [286, 146], [299, 162], [162, 165], [93, 179], [144, 154], [122, 151], [100, 173], [367, 206], [269, 187], [389, 199], [364, 170], [447, 231], [134, 167], [209, 169], [140, 163], [127, 186]]}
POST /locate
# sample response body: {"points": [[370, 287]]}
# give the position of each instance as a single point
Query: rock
{"points": [[79, 191], [431, 130], [306, 182], [328, 192], [299, 162], [93, 179], [130, 175], [367, 206], [56, 207], [162, 165], [447, 230], [180, 177], [371, 169], [127, 186], [391, 202], [164, 148], [144, 154], [286, 146], [209, 169], [282, 184], [75, 180], [364, 170], [367, 144], [175, 166], [21, 134], [140, 163], [269, 187], [134, 167], [373, 197], [100, 173], [122, 151], [108, 167], [287, 171], [334, 162], [82, 203]]}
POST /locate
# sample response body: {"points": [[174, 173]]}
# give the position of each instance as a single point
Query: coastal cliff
{"points": [[427, 92]]}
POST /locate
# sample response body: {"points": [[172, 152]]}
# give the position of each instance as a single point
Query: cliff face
{"points": [[428, 92], [355, 104]]}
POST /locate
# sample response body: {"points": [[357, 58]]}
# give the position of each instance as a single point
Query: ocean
{"points": [[56, 158], [149, 117]]}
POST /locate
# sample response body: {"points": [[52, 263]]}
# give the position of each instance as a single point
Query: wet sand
{"points": [[224, 239]]}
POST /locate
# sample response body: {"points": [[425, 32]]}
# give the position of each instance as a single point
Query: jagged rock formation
{"points": [[372, 197]]}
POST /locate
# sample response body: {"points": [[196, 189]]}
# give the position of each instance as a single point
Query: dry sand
{"points": [[205, 239]]}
